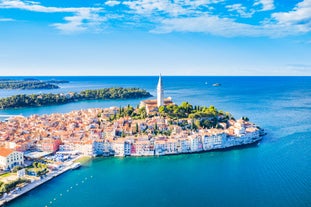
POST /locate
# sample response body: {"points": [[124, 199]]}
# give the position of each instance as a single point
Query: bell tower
{"points": [[160, 93]]}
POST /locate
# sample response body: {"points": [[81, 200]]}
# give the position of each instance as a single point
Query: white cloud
{"points": [[297, 21], [6, 20], [241, 10], [147, 7], [301, 14], [172, 8], [82, 18], [81, 21], [208, 24], [266, 4], [112, 3], [226, 27], [179, 16], [36, 7]]}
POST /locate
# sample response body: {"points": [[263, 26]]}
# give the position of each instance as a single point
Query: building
{"points": [[160, 93], [153, 105], [10, 158], [50, 144], [21, 173]]}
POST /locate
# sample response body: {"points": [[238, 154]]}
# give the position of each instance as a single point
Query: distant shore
{"points": [[45, 99]]}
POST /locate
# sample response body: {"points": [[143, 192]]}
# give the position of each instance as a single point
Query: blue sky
{"points": [[148, 37]]}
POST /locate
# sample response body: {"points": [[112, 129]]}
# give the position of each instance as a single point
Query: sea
{"points": [[274, 173]]}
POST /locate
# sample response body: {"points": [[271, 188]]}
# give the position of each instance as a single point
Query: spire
{"points": [[160, 92]]}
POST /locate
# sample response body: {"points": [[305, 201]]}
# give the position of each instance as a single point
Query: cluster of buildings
{"points": [[90, 132]]}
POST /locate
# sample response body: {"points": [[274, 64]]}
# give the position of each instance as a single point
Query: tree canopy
{"points": [[23, 100]]}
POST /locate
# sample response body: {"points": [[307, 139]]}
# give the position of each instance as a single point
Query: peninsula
{"points": [[154, 128], [23, 100], [30, 83]]}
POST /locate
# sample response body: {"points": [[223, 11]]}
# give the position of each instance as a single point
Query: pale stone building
{"points": [[10, 158]]}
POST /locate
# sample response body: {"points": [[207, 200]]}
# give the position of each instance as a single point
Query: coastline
{"points": [[70, 165], [35, 184]]}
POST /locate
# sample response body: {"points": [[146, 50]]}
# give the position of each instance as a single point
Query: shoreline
{"points": [[37, 183], [70, 164]]}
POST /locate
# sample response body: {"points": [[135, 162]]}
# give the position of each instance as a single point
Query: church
{"points": [[153, 105]]}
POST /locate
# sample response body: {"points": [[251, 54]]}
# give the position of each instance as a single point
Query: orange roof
{"points": [[4, 152]]}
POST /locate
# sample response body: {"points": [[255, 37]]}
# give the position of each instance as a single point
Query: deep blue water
{"points": [[275, 173]]}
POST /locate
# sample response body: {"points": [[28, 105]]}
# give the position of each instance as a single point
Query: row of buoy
{"points": [[68, 190]]}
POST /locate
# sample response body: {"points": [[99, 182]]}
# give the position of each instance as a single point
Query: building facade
{"points": [[10, 158]]}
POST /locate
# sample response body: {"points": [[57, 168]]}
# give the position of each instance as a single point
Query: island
{"points": [[30, 83], [23, 100]]}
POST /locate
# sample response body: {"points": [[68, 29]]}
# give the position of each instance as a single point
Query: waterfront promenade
{"points": [[13, 195]]}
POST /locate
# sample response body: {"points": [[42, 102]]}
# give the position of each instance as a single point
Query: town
{"points": [[154, 128]]}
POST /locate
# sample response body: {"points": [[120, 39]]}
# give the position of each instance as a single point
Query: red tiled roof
{"points": [[4, 152]]}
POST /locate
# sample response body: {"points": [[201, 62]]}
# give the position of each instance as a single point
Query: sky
{"points": [[148, 37]]}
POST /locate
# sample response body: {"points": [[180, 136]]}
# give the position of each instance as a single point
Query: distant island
{"points": [[23, 100], [30, 83]]}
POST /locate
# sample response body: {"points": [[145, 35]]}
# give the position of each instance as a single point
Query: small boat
{"points": [[205, 83], [76, 165], [216, 84]]}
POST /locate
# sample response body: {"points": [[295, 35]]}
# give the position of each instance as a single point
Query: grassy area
{"points": [[6, 175], [83, 159]]}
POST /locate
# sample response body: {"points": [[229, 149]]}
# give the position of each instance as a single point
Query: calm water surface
{"points": [[275, 173]]}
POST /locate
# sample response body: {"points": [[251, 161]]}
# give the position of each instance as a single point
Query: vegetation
{"points": [[16, 168], [5, 175], [129, 111], [24, 100], [201, 116], [37, 168], [7, 187], [198, 116], [27, 84]]}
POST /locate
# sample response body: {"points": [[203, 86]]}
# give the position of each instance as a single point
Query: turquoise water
{"points": [[275, 173]]}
